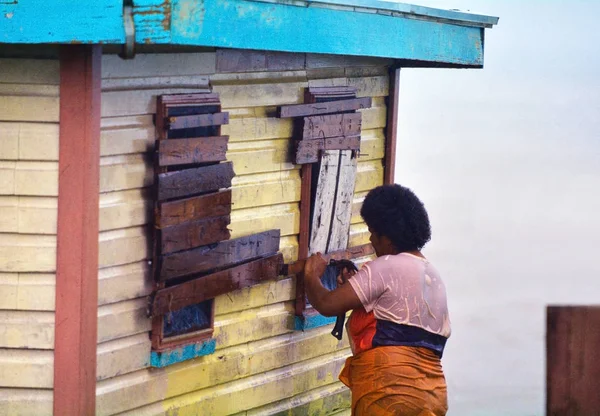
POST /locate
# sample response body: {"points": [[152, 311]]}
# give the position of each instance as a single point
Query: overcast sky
{"points": [[507, 160]]}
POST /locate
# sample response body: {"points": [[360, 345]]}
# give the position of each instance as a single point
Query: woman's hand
{"points": [[315, 266], [344, 275]]}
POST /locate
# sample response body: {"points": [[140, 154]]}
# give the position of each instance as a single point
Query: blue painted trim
{"points": [[187, 352], [400, 9], [302, 323], [62, 21], [254, 24], [249, 24]]}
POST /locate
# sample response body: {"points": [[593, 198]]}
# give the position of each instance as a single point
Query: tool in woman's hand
{"points": [[336, 268]]}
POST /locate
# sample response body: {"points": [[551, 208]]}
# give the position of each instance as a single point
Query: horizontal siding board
{"points": [[27, 108], [134, 390], [263, 189], [26, 368], [30, 71], [285, 217], [256, 390], [124, 209], [125, 135], [323, 401], [27, 329], [29, 141], [27, 253], [260, 95], [123, 355], [31, 402], [122, 319], [125, 172], [260, 156], [124, 282], [160, 64], [123, 246]]}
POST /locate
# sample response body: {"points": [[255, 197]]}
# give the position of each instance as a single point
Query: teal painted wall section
{"points": [[270, 26], [312, 321], [187, 352], [61, 21]]}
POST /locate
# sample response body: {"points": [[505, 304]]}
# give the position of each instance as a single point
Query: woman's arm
{"points": [[334, 303]]}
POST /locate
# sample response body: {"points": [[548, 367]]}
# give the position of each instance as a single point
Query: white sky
{"points": [[507, 160]]}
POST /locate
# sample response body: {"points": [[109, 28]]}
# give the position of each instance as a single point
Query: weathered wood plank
{"points": [[194, 234], [211, 286], [226, 253], [330, 107], [237, 60], [342, 208], [192, 209], [308, 150], [197, 150], [319, 127], [324, 200], [194, 181], [346, 254], [573, 360], [197, 120]]}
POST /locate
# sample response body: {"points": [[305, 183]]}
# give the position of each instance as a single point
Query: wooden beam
{"points": [[194, 181], [208, 287], [391, 131], [334, 125], [194, 234], [196, 150], [309, 150], [191, 209], [572, 360], [304, 233], [351, 253], [197, 120], [76, 313], [225, 254], [313, 109]]}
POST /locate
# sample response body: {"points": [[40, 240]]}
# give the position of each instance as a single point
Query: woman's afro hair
{"points": [[395, 212]]}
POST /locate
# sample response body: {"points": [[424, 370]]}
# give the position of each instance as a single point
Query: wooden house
{"points": [[163, 165]]}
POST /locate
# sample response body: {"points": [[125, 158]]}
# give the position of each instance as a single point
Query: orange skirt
{"points": [[396, 380]]}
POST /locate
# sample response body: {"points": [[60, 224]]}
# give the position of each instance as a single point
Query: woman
{"points": [[399, 324]]}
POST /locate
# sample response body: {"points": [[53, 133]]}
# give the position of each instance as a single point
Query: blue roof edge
{"points": [[397, 9]]}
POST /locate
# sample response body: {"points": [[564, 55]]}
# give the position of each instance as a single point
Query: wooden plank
{"points": [[226, 253], [335, 125], [194, 234], [192, 209], [76, 316], [346, 254], [208, 287], [391, 131], [304, 233], [333, 90], [324, 200], [237, 60], [301, 110], [308, 150], [194, 181], [573, 360], [190, 98], [197, 120], [197, 150], [342, 207]]}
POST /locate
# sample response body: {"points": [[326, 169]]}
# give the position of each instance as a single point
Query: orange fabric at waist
{"points": [[396, 380]]}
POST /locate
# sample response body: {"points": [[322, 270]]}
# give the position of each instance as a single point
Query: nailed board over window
{"points": [[328, 130], [193, 258]]}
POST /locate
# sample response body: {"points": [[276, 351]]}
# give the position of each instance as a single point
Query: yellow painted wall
{"points": [[261, 366], [29, 105]]}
